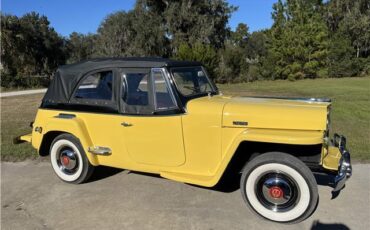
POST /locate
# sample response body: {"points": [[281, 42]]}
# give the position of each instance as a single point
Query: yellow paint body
{"points": [[194, 147]]}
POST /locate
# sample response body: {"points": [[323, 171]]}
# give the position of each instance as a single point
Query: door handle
{"points": [[126, 124]]}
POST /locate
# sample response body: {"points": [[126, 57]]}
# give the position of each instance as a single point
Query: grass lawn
{"points": [[16, 114], [350, 111]]}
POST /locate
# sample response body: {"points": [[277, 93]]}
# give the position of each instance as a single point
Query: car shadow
{"points": [[316, 225], [146, 174], [102, 172], [228, 183]]}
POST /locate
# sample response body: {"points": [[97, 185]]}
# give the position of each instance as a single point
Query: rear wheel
{"points": [[69, 160], [279, 187]]}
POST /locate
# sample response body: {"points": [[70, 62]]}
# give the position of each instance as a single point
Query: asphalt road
{"points": [[32, 197]]}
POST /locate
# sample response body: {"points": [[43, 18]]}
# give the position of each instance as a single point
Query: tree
{"points": [[30, 47], [190, 21], [115, 35], [299, 40], [133, 33], [205, 54], [351, 18], [241, 35], [256, 45], [233, 66], [341, 58], [80, 47]]}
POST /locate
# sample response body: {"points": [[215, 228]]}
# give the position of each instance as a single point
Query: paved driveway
{"points": [[22, 92], [32, 197]]}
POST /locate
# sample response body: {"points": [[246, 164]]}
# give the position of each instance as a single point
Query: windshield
{"points": [[192, 81]]}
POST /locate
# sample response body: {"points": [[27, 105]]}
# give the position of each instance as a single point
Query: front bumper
{"points": [[344, 167]]}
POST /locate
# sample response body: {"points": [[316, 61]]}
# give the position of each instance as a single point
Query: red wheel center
{"points": [[276, 192], [65, 160]]}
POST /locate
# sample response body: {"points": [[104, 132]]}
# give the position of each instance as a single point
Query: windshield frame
{"points": [[185, 98]]}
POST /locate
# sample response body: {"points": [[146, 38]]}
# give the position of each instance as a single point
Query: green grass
{"points": [[16, 115], [350, 111], [350, 114]]}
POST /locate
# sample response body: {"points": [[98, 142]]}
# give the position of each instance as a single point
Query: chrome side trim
{"points": [[294, 98], [345, 167], [98, 150]]}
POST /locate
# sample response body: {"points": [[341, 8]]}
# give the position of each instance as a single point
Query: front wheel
{"points": [[279, 187], [69, 160]]}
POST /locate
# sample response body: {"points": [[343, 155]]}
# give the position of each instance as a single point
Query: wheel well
{"points": [[47, 140], [247, 150]]}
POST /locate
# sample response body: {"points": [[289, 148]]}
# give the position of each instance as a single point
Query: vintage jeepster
{"points": [[167, 117]]}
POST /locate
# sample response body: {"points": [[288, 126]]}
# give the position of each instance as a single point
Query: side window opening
{"points": [[146, 92], [163, 98], [96, 86], [136, 90], [191, 81]]}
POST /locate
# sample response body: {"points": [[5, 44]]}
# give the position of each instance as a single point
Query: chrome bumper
{"points": [[345, 167]]}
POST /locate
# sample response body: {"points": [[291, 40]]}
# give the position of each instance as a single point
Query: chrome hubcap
{"points": [[277, 191], [68, 160]]}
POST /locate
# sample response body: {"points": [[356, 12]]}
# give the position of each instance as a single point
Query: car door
{"points": [[94, 102], [152, 130]]}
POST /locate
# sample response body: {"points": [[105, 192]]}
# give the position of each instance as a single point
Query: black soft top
{"points": [[67, 77]]}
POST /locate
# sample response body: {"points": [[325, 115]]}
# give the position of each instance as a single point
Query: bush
{"points": [[366, 69]]}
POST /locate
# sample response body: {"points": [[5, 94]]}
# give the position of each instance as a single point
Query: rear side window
{"points": [[96, 86]]}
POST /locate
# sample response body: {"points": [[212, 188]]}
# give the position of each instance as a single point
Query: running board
{"points": [[98, 150]]}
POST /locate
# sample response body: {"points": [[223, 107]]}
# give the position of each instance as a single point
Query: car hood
{"points": [[274, 113], [266, 113]]}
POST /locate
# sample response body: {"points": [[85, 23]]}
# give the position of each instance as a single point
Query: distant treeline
{"points": [[308, 39]]}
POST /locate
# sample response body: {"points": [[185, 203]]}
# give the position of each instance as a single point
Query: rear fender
{"points": [[73, 125]]}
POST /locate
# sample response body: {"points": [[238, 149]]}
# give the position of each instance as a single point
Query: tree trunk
{"points": [[358, 52]]}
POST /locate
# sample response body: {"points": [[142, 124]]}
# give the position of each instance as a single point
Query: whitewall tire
{"points": [[69, 160], [279, 187]]}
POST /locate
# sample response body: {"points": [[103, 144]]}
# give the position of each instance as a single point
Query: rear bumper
{"points": [[344, 167], [23, 138]]}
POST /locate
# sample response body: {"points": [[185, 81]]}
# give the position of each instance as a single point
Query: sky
{"points": [[84, 16]]}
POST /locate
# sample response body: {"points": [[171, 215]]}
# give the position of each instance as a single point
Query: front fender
{"points": [[296, 137]]}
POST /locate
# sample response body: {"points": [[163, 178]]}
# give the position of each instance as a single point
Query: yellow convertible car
{"points": [[167, 117]]}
